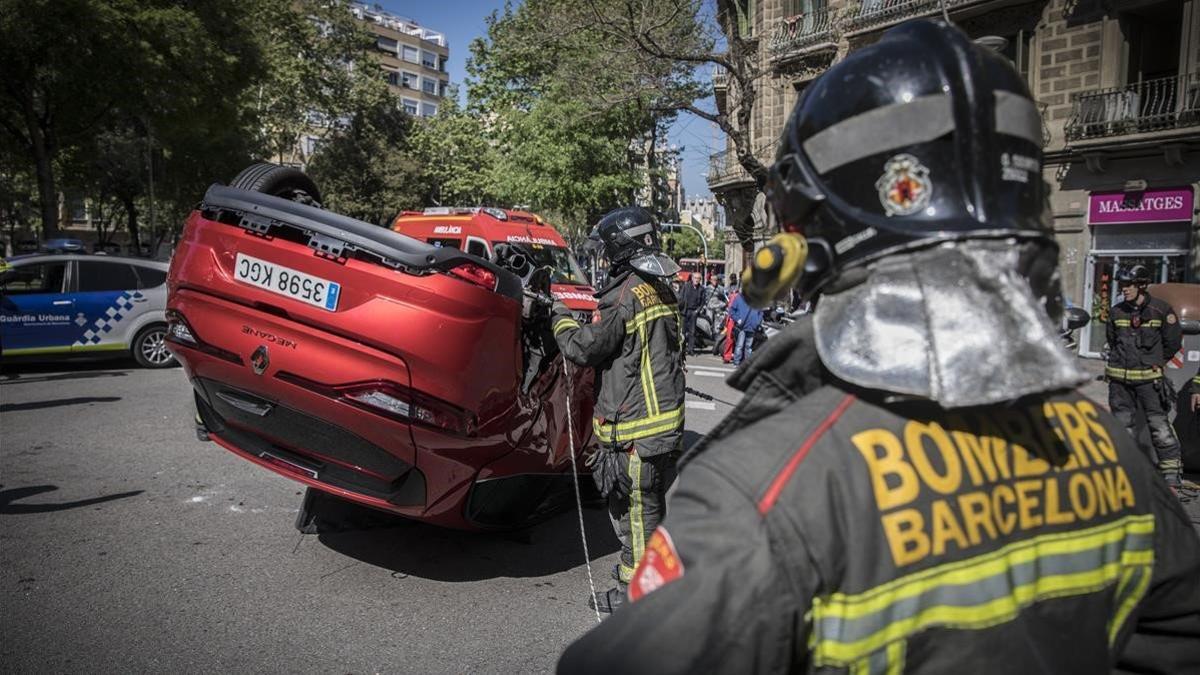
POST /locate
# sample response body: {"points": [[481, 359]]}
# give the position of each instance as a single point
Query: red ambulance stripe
{"points": [[768, 500]]}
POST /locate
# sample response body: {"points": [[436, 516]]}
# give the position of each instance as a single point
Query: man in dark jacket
{"points": [[1143, 334], [635, 348], [691, 301], [911, 483]]}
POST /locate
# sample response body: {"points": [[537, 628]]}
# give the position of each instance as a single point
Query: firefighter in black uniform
{"points": [[1143, 334], [636, 347], [911, 483]]}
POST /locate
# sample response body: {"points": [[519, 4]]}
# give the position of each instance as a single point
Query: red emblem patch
{"points": [[660, 565]]}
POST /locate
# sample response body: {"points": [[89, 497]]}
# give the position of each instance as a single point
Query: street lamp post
{"points": [[703, 241]]}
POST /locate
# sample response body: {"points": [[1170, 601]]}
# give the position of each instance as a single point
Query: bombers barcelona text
{"points": [[965, 480]]}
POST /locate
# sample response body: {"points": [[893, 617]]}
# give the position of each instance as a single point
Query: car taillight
{"points": [[396, 402], [180, 332], [480, 276]]}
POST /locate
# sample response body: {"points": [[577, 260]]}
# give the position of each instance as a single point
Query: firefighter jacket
{"points": [[636, 347], [820, 527], [1141, 339]]}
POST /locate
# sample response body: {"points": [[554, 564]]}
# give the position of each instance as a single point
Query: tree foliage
{"points": [[367, 169], [456, 158], [572, 135]]}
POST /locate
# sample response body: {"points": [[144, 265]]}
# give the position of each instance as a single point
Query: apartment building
{"points": [[413, 59], [1118, 83]]}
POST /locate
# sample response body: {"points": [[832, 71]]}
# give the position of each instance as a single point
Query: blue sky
{"points": [[463, 20]]}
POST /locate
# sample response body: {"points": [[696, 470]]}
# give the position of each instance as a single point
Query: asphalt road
{"points": [[127, 545]]}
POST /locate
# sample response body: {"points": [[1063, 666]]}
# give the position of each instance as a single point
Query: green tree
{"points": [[319, 73], [169, 73], [368, 170], [457, 160], [571, 136]]}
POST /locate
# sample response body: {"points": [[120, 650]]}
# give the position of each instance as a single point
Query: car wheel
{"points": [[150, 347], [279, 181]]}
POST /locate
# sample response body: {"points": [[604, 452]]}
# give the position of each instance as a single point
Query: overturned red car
{"points": [[417, 379]]}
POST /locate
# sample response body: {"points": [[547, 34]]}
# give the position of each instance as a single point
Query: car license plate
{"points": [[286, 281]]}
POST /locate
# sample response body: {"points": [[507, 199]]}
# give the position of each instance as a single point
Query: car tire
{"points": [[150, 347], [279, 181]]}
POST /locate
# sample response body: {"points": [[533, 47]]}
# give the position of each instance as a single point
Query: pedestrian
{"points": [[635, 347], [912, 483], [1143, 334], [691, 302], [729, 332], [715, 292], [746, 320]]}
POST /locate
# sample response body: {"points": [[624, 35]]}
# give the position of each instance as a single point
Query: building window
{"points": [[410, 107], [442, 63], [393, 78], [386, 44], [408, 80], [412, 54], [443, 88], [428, 110], [1016, 50], [429, 86], [429, 59]]}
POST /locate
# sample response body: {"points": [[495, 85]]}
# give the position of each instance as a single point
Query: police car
{"points": [[83, 305]]}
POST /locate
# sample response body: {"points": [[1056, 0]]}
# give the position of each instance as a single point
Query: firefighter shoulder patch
{"points": [[904, 188], [660, 565]]}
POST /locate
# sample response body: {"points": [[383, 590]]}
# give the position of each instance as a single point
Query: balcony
{"points": [[803, 33], [725, 171], [873, 14], [1151, 106]]}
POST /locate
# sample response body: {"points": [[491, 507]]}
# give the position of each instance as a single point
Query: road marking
{"points": [[701, 405], [708, 373], [717, 368]]}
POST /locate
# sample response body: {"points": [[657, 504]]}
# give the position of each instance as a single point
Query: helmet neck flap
{"points": [[963, 324]]}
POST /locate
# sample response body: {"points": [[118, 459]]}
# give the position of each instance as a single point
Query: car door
{"points": [[108, 298], [37, 316]]}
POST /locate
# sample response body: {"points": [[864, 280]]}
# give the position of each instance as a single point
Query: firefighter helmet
{"points": [[939, 141], [631, 237]]}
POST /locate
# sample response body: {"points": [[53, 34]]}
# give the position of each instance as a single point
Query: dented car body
{"points": [[370, 365]]}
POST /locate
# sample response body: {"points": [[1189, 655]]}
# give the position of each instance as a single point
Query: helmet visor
{"points": [[654, 264]]}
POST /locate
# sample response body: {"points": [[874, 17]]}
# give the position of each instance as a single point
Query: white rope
{"points": [[587, 558]]}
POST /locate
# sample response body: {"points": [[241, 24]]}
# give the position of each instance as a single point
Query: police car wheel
{"points": [[150, 348]]}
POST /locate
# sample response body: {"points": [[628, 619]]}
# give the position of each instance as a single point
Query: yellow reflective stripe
{"points": [[641, 428], [895, 658], [1132, 373], [1196, 380], [986, 590], [647, 374], [564, 324], [1130, 591], [625, 573], [1153, 323], [637, 529], [886, 661], [1121, 322], [656, 312]]}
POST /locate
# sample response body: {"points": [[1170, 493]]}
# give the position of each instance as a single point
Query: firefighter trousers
{"points": [[634, 516], [1125, 399]]}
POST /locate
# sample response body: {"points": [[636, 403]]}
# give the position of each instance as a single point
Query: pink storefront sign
{"points": [[1151, 206]]}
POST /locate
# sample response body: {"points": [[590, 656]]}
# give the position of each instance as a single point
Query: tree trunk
{"points": [[43, 158], [132, 223]]}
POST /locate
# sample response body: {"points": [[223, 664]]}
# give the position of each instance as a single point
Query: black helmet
{"points": [[920, 138], [630, 236], [1137, 275]]}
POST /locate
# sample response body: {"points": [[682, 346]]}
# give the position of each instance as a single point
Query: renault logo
{"points": [[259, 360]]}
